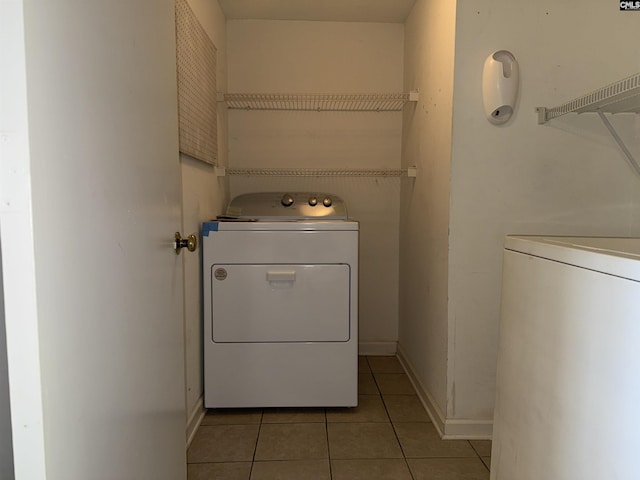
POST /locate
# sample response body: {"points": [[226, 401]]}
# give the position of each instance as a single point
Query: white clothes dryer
{"points": [[280, 279]]}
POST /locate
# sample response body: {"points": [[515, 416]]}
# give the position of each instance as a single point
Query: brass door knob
{"points": [[190, 243]]}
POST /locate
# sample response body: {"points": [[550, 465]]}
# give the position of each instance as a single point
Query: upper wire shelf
{"points": [[622, 96], [319, 102], [318, 172], [618, 97]]}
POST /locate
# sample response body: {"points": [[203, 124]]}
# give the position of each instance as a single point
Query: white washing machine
{"points": [[280, 278], [568, 387]]}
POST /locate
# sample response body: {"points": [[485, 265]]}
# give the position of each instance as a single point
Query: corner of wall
{"points": [[448, 429], [425, 200], [204, 196]]}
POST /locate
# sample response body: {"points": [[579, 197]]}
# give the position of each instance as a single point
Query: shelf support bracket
{"points": [[620, 142], [542, 115]]}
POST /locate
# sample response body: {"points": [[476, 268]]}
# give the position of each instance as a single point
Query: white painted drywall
{"points": [[424, 227], [203, 197], [327, 57], [567, 177], [327, 10]]}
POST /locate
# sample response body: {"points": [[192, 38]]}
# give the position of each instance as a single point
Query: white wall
{"points": [[424, 239], [203, 197], [567, 177], [327, 57]]}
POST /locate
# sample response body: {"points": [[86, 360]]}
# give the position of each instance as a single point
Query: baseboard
{"points": [[465, 429], [434, 412], [449, 429], [387, 349], [195, 419]]}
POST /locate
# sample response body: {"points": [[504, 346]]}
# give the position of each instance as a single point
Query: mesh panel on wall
{"points": [[196, 70]]}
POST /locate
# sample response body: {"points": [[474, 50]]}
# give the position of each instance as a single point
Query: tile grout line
{"points": [[255, 448], [395, 433], [479, 456], [326, 430], [404, 457]]}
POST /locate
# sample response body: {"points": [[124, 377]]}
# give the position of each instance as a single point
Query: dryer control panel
{"points": [[288, 206]]}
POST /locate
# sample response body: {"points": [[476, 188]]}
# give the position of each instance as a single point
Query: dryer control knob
{"points": [[327, 202], [313, 201], [286, 200]]}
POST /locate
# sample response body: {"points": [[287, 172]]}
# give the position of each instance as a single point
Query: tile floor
{"points": [[387, 437]]}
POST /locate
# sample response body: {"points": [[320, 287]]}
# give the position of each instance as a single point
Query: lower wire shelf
{"points": [[320, 102]]}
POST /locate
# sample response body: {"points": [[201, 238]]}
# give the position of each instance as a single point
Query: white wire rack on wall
{"points": [[622, 96], [619, 97], [317, 172], [320, 102]]}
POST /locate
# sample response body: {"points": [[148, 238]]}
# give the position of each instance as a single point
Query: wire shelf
{"points": [[622, 96], [618, 97], [321, 172], [320, 102]]}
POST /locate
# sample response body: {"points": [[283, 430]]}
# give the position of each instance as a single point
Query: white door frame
{"points": [[16, 232]]}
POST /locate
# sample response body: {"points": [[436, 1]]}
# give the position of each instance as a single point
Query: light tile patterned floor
{"points": [[387, 437]]}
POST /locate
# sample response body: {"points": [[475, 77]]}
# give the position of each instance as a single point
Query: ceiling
{"points": [[385, 11]]}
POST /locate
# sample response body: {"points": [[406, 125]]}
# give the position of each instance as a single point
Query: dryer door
{"points": [[280, 303]]}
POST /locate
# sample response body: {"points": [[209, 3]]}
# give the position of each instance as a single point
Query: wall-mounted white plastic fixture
{"points": [[500, 79]]}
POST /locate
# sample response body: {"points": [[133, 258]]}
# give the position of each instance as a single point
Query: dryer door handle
{"points": [[287, 276]]}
